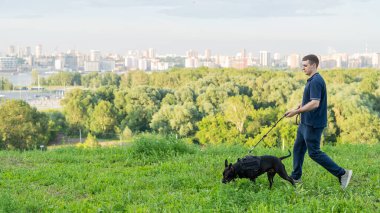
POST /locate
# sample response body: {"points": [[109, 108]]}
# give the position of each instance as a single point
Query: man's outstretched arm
{"points": [[313, 104]]}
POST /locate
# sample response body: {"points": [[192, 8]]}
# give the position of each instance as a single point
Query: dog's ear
{"points": [[226, 163], [239, 159], [229, 166]]}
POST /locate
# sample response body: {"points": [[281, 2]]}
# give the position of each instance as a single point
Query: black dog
{"points": [[253, 166]]}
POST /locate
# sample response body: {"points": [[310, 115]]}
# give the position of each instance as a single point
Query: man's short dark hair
{"points": [[312, 58]]}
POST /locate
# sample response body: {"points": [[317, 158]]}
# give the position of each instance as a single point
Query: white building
{"points": [[156, 65], [376, 60], [207, 54], [191, 62], [151, 53], [95, 55], [58, 64], [265, 60], [143, 64], [11, 51], [27, 51], [39, 51], [131, 63], [90, 66], [294, 61], [225, 61]]}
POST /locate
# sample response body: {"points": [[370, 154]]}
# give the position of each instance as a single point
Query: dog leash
{"points": [[267, 132]]}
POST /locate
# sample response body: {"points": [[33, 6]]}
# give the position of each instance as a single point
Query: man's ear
{"points": [[226, 163]]}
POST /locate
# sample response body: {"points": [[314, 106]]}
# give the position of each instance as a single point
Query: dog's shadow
{"points": [[244, 185]]}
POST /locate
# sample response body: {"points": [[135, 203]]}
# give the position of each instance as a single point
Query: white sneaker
{"points": [[345, 179]]}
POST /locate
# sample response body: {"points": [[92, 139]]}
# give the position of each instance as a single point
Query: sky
{"points": [[175, 26]]}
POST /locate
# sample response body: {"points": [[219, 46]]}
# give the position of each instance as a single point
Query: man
{"points": [[313, 120]]}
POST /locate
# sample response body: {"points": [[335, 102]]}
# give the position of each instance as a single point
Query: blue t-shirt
{"points": [[315, 89]]}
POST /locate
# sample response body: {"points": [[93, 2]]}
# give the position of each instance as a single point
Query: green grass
{"points": [[146, 177]]}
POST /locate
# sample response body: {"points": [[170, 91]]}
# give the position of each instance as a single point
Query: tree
{"points": [[216, 130], [76, 107], [178, 119], [210, 101], [5, 84], [161, 120], [103, 119], [21, 126], [34, 77], [140, 105], [236, 110], [57, 124]]}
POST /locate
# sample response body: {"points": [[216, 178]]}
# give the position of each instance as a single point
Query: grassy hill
{"points": [[163, 174]]}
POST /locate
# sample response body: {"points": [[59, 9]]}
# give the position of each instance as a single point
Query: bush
{"points": [[127, 133], [159, 146], [91, 142], [22, 127]]}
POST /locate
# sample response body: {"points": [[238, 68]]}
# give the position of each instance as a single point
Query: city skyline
{"points": [[174, 27]]}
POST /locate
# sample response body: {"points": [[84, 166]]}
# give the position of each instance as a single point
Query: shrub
{"points": [[159, 146], [127, 133], [90, 142]]}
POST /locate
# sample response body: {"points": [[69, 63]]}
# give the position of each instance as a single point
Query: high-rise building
{"points": [[151, 53], [58, 63], [131, 62], [376, 60], [294, 61], [39, 51], [143, 64], [27, 51], [265, 60], [207, 54], [191, 62], [243, 54], [95, 55], [11, 51], [71, 62], [20, 52]]}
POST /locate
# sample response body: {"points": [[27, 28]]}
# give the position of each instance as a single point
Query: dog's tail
{"points": [[290, 154]]}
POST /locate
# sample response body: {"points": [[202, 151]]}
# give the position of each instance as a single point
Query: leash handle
{"points": [[267, 132]]}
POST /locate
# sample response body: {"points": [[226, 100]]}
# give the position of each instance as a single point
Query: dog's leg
{"points": [[284, 175], [270, 178]]}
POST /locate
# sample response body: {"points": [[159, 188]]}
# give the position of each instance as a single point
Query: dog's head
{"points": [[229, 172]]}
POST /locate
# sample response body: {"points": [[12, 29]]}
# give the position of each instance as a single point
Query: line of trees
{"points": [[5, 84], [215, 106]]}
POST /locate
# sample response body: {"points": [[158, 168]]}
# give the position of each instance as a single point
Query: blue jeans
{"points": [[309, 138]]}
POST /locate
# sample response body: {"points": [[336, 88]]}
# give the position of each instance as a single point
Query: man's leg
{"points": [[313, 140], [299, 151]]}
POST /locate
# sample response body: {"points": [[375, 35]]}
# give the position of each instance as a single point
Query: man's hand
{"points": [[292, 112], [313, 104]]}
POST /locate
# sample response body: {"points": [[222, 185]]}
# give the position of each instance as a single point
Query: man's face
{"points": [[308, 68]]}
